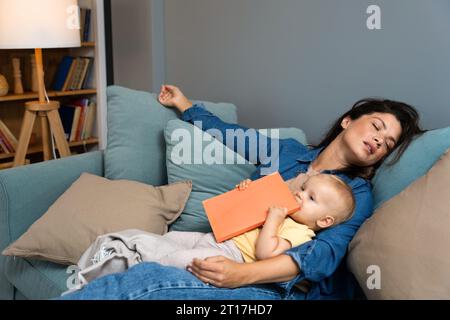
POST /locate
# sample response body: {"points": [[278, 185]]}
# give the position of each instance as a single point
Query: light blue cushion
{"points": [[136, 121], [418, 158], [208, 180]]}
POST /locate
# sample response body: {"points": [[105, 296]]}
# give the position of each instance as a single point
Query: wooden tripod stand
{"points": [[48, 113]]}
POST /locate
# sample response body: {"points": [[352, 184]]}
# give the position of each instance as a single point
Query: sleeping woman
{"points": [[355, 146]]}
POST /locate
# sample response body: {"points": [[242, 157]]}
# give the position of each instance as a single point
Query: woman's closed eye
{"points": [[390, 145], [375, 126], [387, 145]]}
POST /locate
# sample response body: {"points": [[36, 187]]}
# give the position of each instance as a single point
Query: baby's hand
{"points": [[243, 184], [278, 211]]}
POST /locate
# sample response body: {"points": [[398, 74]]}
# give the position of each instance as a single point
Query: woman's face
{"points": [[370, 137]]}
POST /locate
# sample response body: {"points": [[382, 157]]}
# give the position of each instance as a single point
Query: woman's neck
{"points": [[331, 158]]}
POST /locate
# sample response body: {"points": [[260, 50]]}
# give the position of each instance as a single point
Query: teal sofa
{"points": [[135, 150], [27, 192]]}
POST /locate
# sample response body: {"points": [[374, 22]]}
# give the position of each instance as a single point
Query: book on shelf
{"points": [[3, 147], [89, 122], [72, 73], [76, 73], [9, 135], [82, 13], [85, 23], [237, 211], [83, 103], [67, 113], [6, 146], [69, 75], [8, 138], [85, 72], [62, 72], [78, 118], [81, 73]]}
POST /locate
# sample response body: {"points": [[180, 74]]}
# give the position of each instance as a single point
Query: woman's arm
{"points": [[225, 273], [249, 143], [318, 258], [171, 96]]}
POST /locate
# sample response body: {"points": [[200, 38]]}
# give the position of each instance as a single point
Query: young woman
{"points": [[353, 149]]}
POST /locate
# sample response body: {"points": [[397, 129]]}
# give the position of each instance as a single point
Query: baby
{"points": [[325, 201]]}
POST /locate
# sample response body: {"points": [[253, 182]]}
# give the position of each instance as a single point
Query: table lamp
{"points": [[37, 24]]}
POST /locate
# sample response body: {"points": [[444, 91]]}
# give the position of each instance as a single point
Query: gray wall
{"points": [[288, 62], [303, 63], [132, 43]]}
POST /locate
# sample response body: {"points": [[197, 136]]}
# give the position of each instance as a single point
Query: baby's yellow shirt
{"points": [[290, 230]]}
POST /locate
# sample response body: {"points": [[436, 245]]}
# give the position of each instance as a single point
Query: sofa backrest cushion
{"points": [[135, 143], [420, 156], [208, 178]]}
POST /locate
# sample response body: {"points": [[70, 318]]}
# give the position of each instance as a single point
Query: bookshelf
{"points": [[94, 88], [51, 94]]}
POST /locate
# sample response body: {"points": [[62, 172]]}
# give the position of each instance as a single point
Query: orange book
{"points": [[237, 211]]}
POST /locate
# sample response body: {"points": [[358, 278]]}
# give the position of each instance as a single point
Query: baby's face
{"points": [[317, 198]]}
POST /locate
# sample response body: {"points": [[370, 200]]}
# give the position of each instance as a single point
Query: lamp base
{"points": [[48, 113], [37, 106]]}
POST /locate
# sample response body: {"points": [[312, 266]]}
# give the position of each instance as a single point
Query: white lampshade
{"points": [[26, 24]]}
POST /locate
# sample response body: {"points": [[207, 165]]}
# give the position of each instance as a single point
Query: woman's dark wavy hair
{"points": [[405, 114]]}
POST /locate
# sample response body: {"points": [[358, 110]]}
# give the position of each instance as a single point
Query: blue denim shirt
{"points": [[322, 260]]}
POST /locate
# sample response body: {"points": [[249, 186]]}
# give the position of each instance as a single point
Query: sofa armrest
{"points": [[27, 192]]}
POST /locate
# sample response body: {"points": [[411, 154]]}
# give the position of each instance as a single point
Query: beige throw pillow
{"points": [[93, 206], [403, 250]]}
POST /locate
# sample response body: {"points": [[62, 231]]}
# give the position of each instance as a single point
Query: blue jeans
{"points": [[152, 281]]}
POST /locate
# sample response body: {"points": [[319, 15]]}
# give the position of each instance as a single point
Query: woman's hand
{"points": [[243, 184], [171, 96], [225, 273], [219, 271]]}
